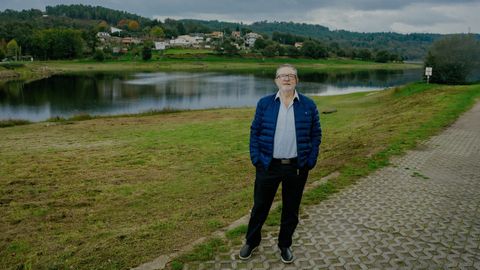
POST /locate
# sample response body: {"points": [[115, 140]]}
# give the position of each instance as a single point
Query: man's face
{"points": [[286, 79]]}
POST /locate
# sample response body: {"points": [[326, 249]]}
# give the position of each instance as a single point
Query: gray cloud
{"points": [[366, 15]]}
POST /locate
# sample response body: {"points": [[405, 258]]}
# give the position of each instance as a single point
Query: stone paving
{"points": [[422, 212]]}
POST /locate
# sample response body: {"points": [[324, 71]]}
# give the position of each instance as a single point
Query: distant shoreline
{"points": [[31, 71]]}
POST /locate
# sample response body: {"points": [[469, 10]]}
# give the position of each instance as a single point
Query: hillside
{"points": [[411, 46], [21, 25]]}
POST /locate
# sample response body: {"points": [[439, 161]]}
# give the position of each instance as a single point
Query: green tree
{"points": [[260, 44], [313, 49], [13, 50], [2, 53], [453, 59], [292, 51], [382, 57], [99, 55], [58, 44], [364, 54], [227, 48], [147, 51], [181, 29], [270, 51], [157, 32]]}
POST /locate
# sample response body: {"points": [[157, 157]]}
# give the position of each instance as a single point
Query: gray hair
{"points": [[287, 66]]}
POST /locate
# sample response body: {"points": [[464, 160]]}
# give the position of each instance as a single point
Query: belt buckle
{"points": [[285, 161]]}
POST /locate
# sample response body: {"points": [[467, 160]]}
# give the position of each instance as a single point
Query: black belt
{"points": [[285, 161]]}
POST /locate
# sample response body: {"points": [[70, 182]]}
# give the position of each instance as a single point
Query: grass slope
{"points": [[113, 193]]}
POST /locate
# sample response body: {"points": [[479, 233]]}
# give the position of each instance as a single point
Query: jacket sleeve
{"points": [[316, 138], [255, 134]]}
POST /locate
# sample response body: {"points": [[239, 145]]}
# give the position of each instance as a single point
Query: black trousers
{"points": [[266, 185]]}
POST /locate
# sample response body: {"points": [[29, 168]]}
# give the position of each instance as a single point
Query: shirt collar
{"points": [[295, 95]]}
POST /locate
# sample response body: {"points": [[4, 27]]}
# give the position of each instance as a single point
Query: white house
{"points": [[186, 41], [251, 37], [103, 36], [160, 45], [115, 30]]}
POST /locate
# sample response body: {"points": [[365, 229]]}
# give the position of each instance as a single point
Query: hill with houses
{"points": [[75, 31]]}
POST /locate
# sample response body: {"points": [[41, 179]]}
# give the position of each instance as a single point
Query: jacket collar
{"points": [[295, 95]]}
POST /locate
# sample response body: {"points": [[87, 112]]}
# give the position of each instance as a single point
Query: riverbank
{"points": [[118, 192], [30, 71]]}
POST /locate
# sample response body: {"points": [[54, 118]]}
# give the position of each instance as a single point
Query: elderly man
{"points": [[284, 143]]}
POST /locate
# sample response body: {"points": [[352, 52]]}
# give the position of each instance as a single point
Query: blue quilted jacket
{"points": [[307, 128]]}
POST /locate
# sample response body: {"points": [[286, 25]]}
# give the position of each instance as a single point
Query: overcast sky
{"points": [[403, 16]]}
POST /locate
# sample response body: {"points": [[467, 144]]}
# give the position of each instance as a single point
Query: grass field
{"points": [[113, 193]]}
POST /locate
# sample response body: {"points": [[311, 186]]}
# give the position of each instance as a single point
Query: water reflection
{"points": [[109, 93]]}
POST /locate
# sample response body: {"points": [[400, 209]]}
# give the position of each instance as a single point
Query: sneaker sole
{"points": [[251, 253]]}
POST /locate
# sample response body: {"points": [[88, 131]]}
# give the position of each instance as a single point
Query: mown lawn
{"points": [[113, 193]]}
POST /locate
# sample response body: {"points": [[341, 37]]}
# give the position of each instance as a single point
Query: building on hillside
{"points": [[115, 30], [130, 40], [298, 45], [251, 37], [161, 45], [187, 41], [236, 34], [103, 36], [216, 34]]}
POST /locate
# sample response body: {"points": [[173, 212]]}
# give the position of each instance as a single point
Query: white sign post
{"points": [[428, 73]]}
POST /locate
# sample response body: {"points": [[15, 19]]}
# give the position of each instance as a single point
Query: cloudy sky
{"points": [[403, 16]]}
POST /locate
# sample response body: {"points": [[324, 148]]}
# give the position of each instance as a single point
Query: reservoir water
{"points": [[127, 93]]}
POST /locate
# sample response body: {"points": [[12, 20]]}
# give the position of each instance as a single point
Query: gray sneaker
{"points": [[246, 252], [286, 254]]}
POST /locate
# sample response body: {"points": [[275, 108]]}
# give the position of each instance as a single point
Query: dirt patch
{"points": [[8, 74]]}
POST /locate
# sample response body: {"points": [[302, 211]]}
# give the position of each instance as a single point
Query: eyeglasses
{"points": [[287, 76]]}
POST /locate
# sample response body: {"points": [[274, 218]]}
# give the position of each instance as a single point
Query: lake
{"points": [[128, 93]]}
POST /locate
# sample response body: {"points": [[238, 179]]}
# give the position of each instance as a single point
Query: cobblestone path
{"points": [[422, 212]]}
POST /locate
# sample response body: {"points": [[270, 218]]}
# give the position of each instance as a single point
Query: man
{"points": [[284, 143]]}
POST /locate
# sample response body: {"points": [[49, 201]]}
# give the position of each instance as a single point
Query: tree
{"points": [[270, 51], [58, 44], [227, 47], [364, 54], [99, 55], [382, 57], [181, 28], [313, 49], [260, 44], [2, 53], [292, 51], [157, 32], [13, 50], [453, 58], [102, 26], [133, 25], [147, 51]]}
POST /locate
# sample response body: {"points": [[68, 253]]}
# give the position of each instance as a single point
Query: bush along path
{"points": [[422, 211]]}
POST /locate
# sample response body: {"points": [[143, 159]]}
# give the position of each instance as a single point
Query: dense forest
{"points": [[72, 30]]}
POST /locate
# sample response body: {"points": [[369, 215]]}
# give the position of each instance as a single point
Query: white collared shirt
{"points": [[285, 141]]}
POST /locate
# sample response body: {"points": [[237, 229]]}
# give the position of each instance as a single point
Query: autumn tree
{"points": [[133, 25]]}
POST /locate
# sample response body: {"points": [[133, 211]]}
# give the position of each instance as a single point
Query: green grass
{"points": [[186, 51], [13, 122], [113, 193]]}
